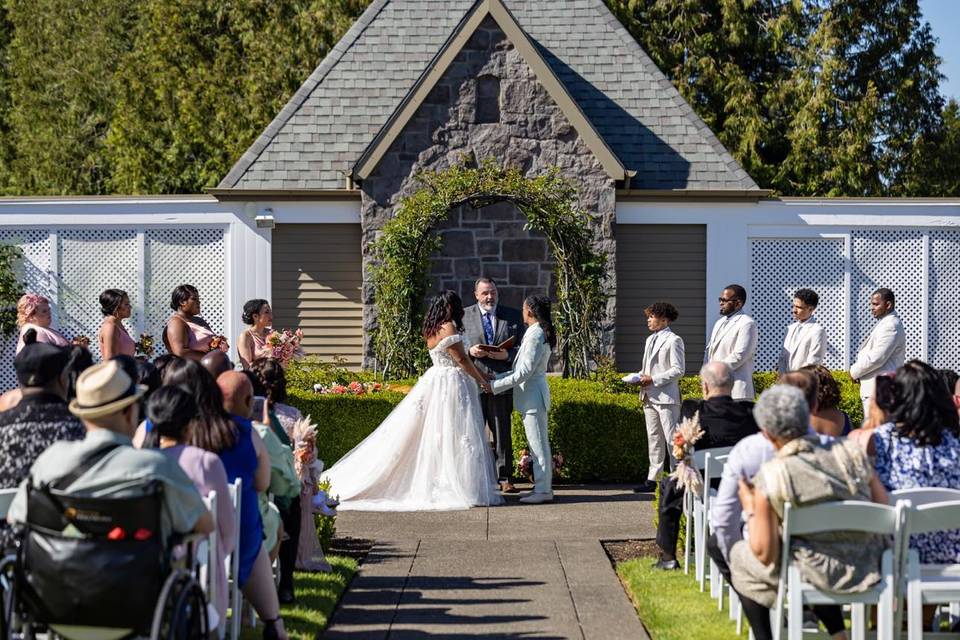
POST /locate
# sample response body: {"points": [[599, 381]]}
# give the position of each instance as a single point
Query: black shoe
{"points": [[286, 596], [647, 487], [666, 564]]}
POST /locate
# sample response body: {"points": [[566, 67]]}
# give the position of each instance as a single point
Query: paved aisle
{"points": [[517, 571]]}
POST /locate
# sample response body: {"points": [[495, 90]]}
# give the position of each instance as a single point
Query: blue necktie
{"points": [[487, 328]]}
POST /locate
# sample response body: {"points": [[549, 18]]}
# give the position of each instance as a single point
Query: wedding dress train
{"points": [[431, 452]]}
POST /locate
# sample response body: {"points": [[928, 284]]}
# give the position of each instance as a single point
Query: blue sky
{"points": [[944, 18]]}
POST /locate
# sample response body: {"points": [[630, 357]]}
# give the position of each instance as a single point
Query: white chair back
{"points": [[700, 457], [935, 516], [233, 564], [924, 495], [207, 555], [6, 499]]}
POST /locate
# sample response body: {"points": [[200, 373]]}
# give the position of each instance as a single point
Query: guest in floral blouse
{"points": [[40, 419], [920, 447]]}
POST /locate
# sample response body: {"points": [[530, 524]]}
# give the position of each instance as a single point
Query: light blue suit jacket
{"points": [[528, 378]]}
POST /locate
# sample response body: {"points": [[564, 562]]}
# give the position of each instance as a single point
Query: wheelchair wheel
{"points": [[7, 568], [181, 611]]}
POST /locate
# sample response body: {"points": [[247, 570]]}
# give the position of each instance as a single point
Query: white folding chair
{"points": [[713, 466], [6, 499], [207, 554], [233, 565], [698, 508], [847, 515], [690, 503], [929, 583]]}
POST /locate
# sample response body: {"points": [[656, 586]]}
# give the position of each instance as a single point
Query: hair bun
{"points": [[30, 336]]}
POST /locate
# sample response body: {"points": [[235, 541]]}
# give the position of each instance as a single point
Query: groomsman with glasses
{"points": [[734, 341], [884, 350], [806, 341]]}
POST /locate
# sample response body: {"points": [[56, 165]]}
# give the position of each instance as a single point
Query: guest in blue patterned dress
{"points": [[920, 447]]}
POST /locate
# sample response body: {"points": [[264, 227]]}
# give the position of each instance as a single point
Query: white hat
{"points": [[104, 389]]}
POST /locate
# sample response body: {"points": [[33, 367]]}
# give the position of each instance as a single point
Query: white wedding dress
{"points": [[430, 454]]}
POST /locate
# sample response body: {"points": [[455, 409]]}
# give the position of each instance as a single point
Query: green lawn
{"points": [[317, 595], [671, 606]]}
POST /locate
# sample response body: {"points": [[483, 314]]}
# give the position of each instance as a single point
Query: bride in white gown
{"points": [[431, 453]]}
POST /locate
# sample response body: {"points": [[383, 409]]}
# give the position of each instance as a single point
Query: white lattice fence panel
{"points": [[891, 259], [943, 326], [92, 260], [34, 272], [778, 268], [194, 256]]}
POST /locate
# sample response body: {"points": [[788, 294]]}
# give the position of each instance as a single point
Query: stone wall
{"points": [[488, 104]]}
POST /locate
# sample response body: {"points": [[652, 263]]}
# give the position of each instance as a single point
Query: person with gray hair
{"points": [[804, 471], [725, 422]]}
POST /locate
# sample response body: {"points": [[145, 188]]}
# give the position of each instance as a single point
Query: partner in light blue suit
{"points": [[531, 395]]}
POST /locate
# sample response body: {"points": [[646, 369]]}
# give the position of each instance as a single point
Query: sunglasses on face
{"points": [[726, 300]]}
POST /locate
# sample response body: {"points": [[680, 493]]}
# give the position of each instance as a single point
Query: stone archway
{"points": [[401, 266]]}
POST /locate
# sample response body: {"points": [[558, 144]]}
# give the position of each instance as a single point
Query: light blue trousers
{"points": [[535, 426]]}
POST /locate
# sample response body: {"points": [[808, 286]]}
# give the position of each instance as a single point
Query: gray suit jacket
{"points": [[509, 323]]}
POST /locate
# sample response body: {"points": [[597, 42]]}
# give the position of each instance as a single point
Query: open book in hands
{"points": [[506, 344]]}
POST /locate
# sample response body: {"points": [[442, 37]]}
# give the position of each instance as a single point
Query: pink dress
{"points": [[260, 348], [199, 335], [206, 471], [44, 334], [125, 344]]}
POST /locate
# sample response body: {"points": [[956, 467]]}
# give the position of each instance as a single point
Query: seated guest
{"points": [[170, 410], [112, 336], [827, 417], [880, 406], [950, 379], [804, 472], [216, 363], [725, 422], [920, 447], [246, 457], [33, 312], [106, 402], [39, 419]]}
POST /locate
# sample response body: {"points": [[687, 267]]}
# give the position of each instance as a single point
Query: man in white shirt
{"points": [[734, 341], [664, 362], [806, 341], [884, 351]]}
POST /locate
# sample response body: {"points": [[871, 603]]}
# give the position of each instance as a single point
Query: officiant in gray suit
{"points": [[488, 323]]}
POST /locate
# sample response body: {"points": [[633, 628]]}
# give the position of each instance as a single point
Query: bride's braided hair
{"points": [[445, 307], [539, 307]]}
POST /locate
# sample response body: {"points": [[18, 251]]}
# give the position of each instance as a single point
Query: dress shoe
{"points": [[507, 487], [647, 487], [537, 498], [666, 564], [285, 596]]}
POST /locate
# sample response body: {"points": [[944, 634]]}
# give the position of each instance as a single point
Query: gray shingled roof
{"points": [[326, 126]]}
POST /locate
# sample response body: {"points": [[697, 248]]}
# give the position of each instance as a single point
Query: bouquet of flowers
{"points": [[285, 345], [81, 341], [525, 464], [145, 345], [355, 388], [686, 474], [219, 342]]}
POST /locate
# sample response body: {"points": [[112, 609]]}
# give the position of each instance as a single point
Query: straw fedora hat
{"points": [[104, 389]]}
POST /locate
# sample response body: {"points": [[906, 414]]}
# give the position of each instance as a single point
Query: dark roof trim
{"points": [[226, 195], [675, 195]]}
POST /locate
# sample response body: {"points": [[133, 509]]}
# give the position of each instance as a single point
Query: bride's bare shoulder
{"points": [[447, 329]]}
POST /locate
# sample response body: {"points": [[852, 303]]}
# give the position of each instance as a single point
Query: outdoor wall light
{"points": [[265, 219]]}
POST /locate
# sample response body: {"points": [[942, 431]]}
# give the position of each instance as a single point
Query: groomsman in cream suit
{"points": [[806, 341], [734, 341], [531, 394], [664, 362], [884, 351]]}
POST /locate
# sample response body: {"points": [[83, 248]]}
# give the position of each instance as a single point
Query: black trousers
{"points": [[670, 511], [758, 615], [288, 548], [497, 410]]}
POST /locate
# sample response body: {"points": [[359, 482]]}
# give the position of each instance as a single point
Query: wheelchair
{"points": [[99, 568]]}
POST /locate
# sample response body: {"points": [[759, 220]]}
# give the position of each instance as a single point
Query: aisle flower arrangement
{"points": [[285, 345], [686, 474], [354, 388], [525, 464]]}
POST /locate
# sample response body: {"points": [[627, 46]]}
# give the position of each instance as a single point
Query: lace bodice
{"points": [[439, 354]]}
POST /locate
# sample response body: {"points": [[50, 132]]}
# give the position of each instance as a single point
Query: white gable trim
{"points": [[558, 92]]}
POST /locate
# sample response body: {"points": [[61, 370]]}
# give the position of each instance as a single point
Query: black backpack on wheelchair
{"points": [[102, 562]]}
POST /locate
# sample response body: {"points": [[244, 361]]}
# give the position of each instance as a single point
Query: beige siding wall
{"points": [[660, 262], [316, 286]]}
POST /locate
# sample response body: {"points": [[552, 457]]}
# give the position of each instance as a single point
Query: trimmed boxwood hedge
{"points": [[597, 425]]}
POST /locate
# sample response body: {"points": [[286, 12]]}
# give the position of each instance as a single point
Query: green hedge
{"points": [[597, 425]]}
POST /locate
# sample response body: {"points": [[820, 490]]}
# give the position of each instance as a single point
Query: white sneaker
{"points": [[537, 498]]}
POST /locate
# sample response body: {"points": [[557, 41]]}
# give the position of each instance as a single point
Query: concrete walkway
{"points": [[516, 571]]}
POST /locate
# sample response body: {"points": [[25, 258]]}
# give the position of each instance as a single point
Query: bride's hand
{"points": [[485, 386]]}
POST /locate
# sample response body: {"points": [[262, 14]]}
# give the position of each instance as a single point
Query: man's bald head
{"points": [[216, 363], [237, 393], [716, 378]]}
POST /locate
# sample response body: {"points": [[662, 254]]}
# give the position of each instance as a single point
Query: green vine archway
{"points": [[401, 269]]}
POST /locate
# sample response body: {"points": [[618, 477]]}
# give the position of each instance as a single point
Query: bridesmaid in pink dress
{"points": [[33, 312], [252, 343], [113, 337], [187, 335]]}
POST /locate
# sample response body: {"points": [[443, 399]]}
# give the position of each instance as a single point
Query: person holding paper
{"points": [[488, 326], [664, 362]]}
